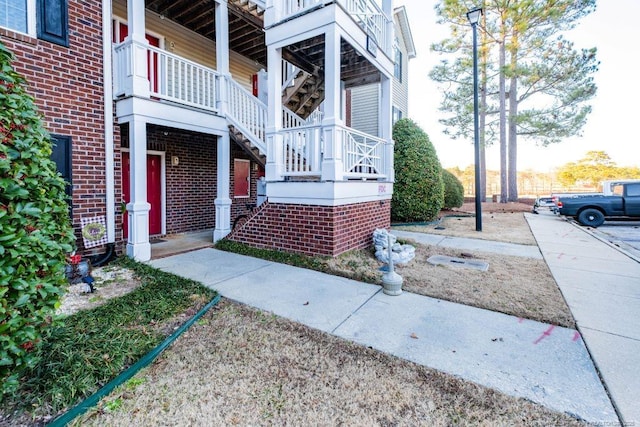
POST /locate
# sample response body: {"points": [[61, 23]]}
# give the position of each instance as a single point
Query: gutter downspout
{"points": [[107, 82]]}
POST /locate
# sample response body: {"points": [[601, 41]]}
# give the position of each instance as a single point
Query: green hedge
{"points": [[453, 190], [418, 192], [35, 230]]}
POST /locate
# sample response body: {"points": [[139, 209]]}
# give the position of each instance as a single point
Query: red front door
{"points": [[154, 191]]}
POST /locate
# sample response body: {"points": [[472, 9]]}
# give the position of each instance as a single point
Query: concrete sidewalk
{"points": [[601, 285], [544, 363]]}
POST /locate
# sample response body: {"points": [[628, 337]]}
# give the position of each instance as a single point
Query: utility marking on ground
{"points": [[576, 336], [545, 334]]}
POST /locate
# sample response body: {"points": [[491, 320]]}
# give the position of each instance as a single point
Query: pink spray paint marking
{"points": [[545, 334], [576, 336]]}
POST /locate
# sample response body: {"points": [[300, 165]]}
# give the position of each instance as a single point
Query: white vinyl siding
{"points": [[364, 108], [401, 88], [192, 46]]}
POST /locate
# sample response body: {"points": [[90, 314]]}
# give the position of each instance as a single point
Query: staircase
{"points": [[247, 146], [305, 95]]}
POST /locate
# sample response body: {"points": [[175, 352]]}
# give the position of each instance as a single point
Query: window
{"points": [[396, 114], [397, 67], [633, 190], [241, 178], [14, 15], [45, 19]]}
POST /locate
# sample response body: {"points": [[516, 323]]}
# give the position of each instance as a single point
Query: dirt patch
{"points": [[110, 282], [241, 366]]}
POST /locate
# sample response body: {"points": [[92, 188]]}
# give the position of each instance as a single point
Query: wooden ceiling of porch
{"points": [[246, 36]]}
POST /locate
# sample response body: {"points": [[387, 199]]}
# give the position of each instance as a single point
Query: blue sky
{"points": [[614, 124]]}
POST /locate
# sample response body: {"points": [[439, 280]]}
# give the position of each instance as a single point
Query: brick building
{"points": [[171, 116]]}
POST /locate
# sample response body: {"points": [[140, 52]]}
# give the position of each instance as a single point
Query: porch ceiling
{"points": [[246, 35]]}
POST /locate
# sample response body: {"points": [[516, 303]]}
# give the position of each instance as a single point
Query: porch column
{"points": [[138, 246], [137, 81], [387, 8], [332, 166], [223, 202], [386, 123], [274, 167], [222, 52]]}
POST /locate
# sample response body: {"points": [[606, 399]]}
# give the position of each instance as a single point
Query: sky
{"points": [[613, 125]]}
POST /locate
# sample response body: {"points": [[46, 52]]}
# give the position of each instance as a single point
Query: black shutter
{"points": [[53, 21], [61, 155]]}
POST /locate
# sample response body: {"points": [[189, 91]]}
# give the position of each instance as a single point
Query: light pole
{"points": [[474, 16]]}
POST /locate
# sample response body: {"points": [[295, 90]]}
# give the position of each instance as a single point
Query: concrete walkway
{"points": [[544, 363], [601, 285]]}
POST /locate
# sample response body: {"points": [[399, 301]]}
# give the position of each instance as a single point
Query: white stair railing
{"points": [[247, 113]]}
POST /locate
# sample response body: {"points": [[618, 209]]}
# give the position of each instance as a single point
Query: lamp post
{"points": [[474, 16]]}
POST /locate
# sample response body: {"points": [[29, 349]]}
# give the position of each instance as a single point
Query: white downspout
{"points": [[108, 119]]}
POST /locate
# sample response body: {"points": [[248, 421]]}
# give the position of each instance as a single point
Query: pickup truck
{"points": [[592, 210]]}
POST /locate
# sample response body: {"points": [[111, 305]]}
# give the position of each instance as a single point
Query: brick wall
{"points": [[191, 186], [314, 230], [66, 83]]}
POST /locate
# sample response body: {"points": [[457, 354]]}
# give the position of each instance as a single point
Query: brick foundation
{"points": [[314, 230]]}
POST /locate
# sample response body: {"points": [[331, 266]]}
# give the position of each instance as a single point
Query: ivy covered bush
{"points": [[453, 190], [35, 230], [418, 193]]}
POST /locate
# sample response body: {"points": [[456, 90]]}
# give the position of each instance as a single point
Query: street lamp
{"points": [[474, 16]]}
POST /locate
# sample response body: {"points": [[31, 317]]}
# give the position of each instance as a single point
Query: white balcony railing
{"points": [[302, 150], [184, 82], [171, 77], [367, 13], [363, 155]]}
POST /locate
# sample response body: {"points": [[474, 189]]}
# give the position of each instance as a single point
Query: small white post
{"points": [[391, 281]]}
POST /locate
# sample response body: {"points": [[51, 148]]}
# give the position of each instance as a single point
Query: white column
{"points": [[138, 246], [387, 8], [274, 167], [332, 167], [223, 202], [386, 122], [222, 53], [137, 82]]}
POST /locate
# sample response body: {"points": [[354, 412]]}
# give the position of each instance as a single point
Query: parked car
{"points": [[592, 210], [545, 202]]}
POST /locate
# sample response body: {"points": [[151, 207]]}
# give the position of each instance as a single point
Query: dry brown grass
{"points": [[522, 287], [240, 366]]}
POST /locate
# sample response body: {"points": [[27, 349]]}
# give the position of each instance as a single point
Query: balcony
{"points": [[301, 143]]}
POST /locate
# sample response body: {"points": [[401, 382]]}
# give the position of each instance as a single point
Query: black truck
{"points": [[619, 200]]}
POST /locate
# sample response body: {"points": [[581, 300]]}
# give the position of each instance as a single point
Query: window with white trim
{"points": [[397, 66], [396, 114], [45, 19], [18, 15]]}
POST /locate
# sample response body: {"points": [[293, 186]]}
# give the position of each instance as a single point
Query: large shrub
{"points": [[35, 233], [418, 193], [453, 190]]}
